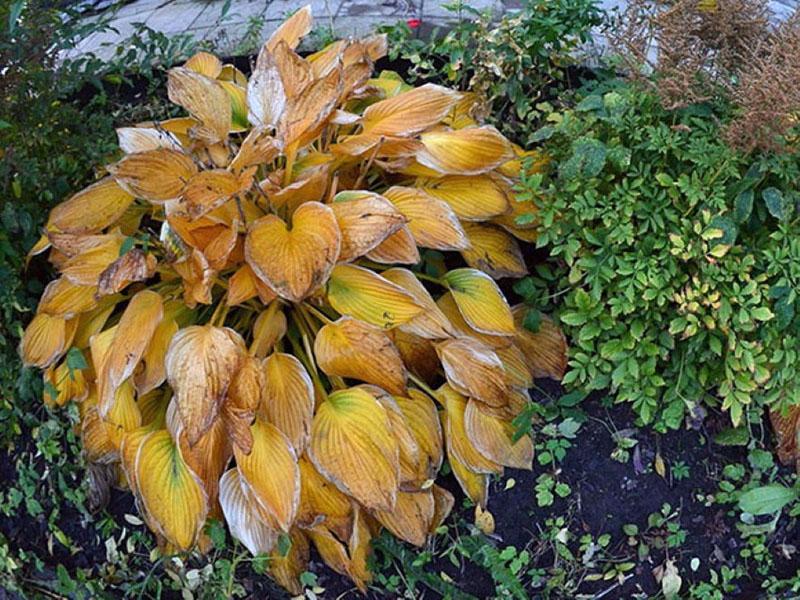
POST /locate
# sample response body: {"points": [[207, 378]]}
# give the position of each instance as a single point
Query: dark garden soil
{"points": [[606, 495]]}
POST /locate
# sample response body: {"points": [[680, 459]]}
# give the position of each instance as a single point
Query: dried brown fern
{"points": [[691, 51], [767, 95]]}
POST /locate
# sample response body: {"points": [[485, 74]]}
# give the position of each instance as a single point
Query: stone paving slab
{"points": [[202, 19]]}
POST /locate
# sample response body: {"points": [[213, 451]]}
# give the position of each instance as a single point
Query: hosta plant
{"points": [[243, 315]]}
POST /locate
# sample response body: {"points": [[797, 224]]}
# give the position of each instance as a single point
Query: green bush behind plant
{"points": [[679, 257], [516, 65]]}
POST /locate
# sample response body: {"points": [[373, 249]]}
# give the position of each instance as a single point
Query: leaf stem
{"points": [[317, 313], [422, 385]]}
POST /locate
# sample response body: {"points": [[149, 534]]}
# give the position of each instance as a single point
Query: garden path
{"points": [[204, 19]]}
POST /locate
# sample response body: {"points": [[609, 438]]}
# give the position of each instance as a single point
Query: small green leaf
{"points": [[766, 499], [776, 203], [284, 544], [76, 361], [532, 320], [744, 206], [126, 246]]}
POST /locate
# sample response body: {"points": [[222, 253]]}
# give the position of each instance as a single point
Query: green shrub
{"points": [[679, 258], [515, 65]]}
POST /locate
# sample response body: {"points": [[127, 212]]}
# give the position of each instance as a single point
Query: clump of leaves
{"points": [[242, 318], [678, 256], [513, 65]]}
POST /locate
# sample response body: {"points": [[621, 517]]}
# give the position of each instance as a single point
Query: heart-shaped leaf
{"points": [[352, 446], [294, 262]]}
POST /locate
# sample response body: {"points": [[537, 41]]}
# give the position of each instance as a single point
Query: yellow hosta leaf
{"points": [[97, 445], [522, 218], [515, 363], [308, 188], [124, 415], [197, 278], [69, 245], [308, 111], [134, 265], [295, 71], [220, 249], [288, 398], [474, 485], [91, 210], [209, 189], [172, 496], [242, 516], [294, 262], [244, 398], [286, 570], [62, 298], [493, 251], [352, 348], [411, 470], [484, 520], [266, 95], [410, 112], [361, 144], [155, 175], [471, 198], [423, 421], [321, 501], [443, 504], [360, 547], [244, 284], [69, 384], [153, 406], [473, 369], [237, 95], [513, 168], [470, 151], [455, 433], [368, 297], [411, 517], [92, 322], [142, 139], [129, 343], [270, 471], [431, 221], [480, 301], [86, 266], [332, 552], [352, 446], [365, 220], [205, 63], [546, 350], [259, 147], [448, 306], [493, 437], [201, 362], [399, 247], [205, 99], [429, 324], [269, 328], [292, 30]]}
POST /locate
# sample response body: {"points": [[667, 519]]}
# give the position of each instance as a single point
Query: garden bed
{"points": [[625, 500], [607, 495]]}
